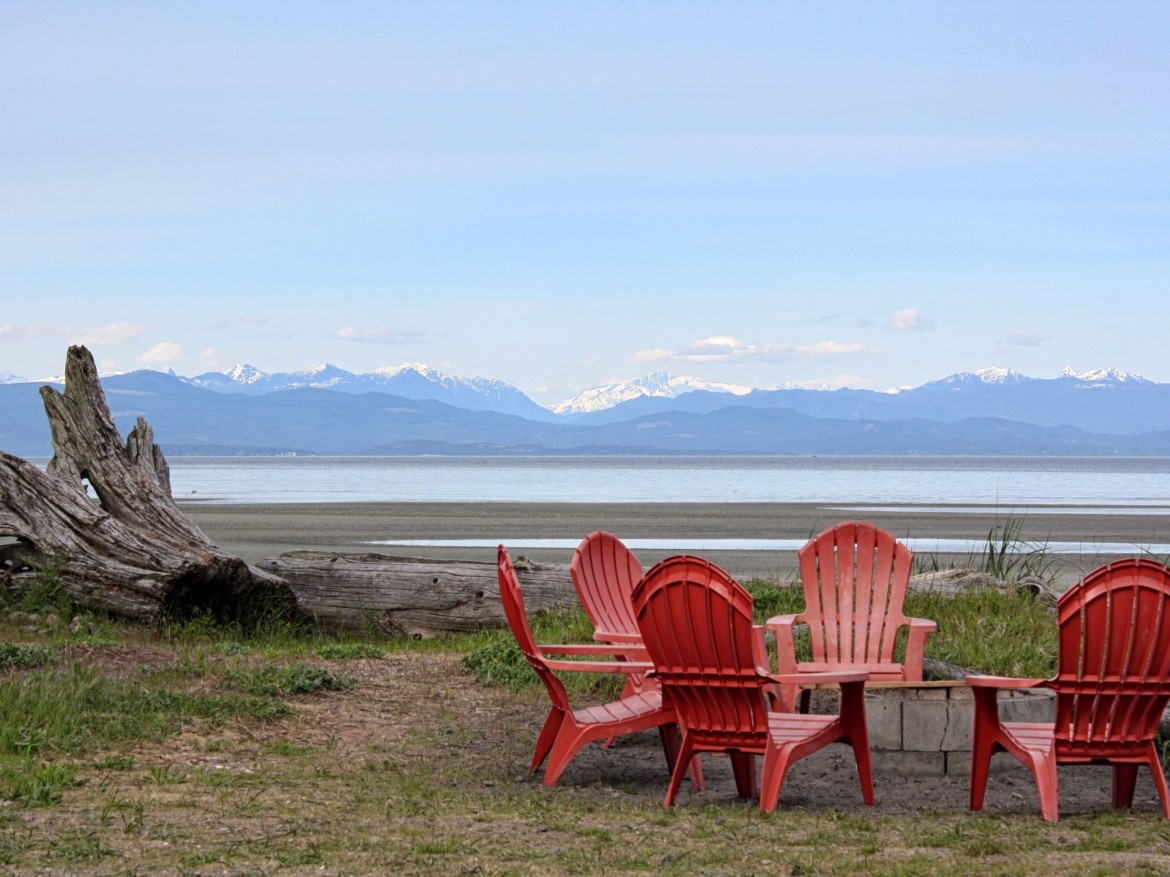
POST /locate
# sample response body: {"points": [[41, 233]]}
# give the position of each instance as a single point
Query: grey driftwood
{"points": [[128, 551], [410, 595]]}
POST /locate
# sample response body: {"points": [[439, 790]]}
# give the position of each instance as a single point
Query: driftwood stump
{"points": [[129, 551], [410, 595]]}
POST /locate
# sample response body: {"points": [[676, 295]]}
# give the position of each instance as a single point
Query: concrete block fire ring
{"points": [[924, 728]]}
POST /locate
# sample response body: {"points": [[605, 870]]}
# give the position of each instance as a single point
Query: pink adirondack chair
{"points": [[854, 577], [1112, 685], [712, 664], [566, 730]]}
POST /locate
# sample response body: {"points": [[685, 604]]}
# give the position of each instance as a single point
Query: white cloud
{"points": [[11, 331], [656, 355], [724, 348], [113, 333], [382, 335], [1021, 338], [210, 357], [164, 351], [829, 349], [909, 320]]}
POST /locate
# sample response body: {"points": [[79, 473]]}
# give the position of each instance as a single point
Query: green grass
{"points": [[156, 751]]}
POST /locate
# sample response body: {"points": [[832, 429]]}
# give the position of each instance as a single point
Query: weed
{"points": [[349, 651], [24, 655], [1009, 558], [37, 785], [499, 662], [166, 775], [278, 679]]}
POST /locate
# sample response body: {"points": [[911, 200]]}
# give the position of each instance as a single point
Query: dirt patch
{"points": [[420, 770], [408, 704]]}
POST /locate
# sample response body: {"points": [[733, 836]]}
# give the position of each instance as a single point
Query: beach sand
{"points": [[254, 532]]}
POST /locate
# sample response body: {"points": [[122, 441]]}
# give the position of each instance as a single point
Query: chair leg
{"points": [[567, 744], [775, 769], [670, 742], [743, 765], [544, 742], [852, 718], [1044, 767], [685, 750], [1159, 779], [982, 748], [1124, 782]]}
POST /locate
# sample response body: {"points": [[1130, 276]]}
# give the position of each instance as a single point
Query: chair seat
{"points": [[1038, 737], [627, 709], [794, 727]]}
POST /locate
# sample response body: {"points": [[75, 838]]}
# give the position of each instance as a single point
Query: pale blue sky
{"points": [[867, 194]]}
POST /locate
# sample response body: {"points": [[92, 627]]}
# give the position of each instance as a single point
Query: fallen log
{"points": [[958, 581], [411, 595], [130, 551]]}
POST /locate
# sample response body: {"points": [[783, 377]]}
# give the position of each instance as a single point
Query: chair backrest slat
{"points": [[604, 572], [696, 623], [1113, 681], [854, 577]]}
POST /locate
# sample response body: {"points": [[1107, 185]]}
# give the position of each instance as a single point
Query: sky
{"points": [[557, 195]]}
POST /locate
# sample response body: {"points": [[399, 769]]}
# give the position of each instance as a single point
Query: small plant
{"points": [[40, 785], [278, 679], [499, 662], [1009, 558], [44, 592], [350, 651], [167, 775], [24, 655]]}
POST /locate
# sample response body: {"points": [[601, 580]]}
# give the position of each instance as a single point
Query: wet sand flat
{"points": [[266, 530]]}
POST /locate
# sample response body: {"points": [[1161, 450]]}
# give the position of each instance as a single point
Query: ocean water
{"points": [[1115, 485]]}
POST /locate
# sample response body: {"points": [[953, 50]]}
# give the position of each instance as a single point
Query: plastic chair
{"points": [[604, 572], [854, 577], [566, 730], [1112, 685], [712, 664]]}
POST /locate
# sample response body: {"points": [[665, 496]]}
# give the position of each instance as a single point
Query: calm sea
{"points": [[1122, 485]]}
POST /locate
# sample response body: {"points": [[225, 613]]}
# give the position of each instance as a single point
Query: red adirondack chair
{"points": [[604, 572], [1112, 685], [712, 664], [566, 730], [854, 577]]}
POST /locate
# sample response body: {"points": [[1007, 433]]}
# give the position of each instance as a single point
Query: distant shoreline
{"points": [[256, 531]]}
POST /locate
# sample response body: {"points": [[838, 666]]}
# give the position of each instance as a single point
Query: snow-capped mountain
{"points": [[992, 375], [10, 378], [1102, 377], [659, 384], [411, 380]]}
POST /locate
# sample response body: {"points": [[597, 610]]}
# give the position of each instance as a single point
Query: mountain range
{"points": [[413, 409]]}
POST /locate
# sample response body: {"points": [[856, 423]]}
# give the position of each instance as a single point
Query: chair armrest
{"points": [[920, 629], [630, 668], [782, 627], [836, 677], [613, 636], [1003, 682], [586, 649]]}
